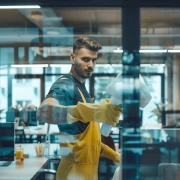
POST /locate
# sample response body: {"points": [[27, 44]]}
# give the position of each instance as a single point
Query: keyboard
{"points": [[5, 163]]}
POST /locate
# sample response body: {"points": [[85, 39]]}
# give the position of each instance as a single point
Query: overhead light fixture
{"points": [[60, 65], [174, 51], [118, 50], [28, 65], [120, 65], [152, 65], [153, 50], [21, 7]]}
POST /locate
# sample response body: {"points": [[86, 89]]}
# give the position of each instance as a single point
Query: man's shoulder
{"points": [[63, 83], [64, 79]]}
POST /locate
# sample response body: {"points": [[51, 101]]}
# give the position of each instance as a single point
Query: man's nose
{"points": [[90, 63]]}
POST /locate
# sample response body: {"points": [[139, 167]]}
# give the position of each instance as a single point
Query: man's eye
{"points": [[86, 59]]}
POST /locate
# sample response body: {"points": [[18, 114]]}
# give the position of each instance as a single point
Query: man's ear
{"points": [[72, 57]]}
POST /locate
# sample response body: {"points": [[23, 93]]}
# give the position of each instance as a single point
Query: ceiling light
{"points": [[120, 65], [174, 51], [153, 50], [20, 7], [152, 65], [60, 65], [28, 65]]}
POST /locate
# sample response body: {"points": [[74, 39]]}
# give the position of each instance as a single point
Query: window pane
{"points": [[26, 92], [159, 32]]}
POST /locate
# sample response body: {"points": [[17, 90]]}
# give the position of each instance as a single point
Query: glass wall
{"points": [[38, 42], [151, 150], [35, 46], [160, 46]]}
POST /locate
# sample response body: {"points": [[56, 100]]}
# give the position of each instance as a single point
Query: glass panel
{"points": [[100, 85], [6, 55], [26, 91], [26, 70], [3, 97], [159, 32], [150, 153], [150, 112], [21, 55], [44, 37]]}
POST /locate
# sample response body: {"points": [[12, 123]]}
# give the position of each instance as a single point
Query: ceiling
{"points": [[160, 28]]}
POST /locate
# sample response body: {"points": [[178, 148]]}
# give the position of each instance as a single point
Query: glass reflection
{"points": [[148, 151]]}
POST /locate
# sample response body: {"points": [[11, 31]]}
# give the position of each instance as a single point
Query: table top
{"points": [[27, 169], [22, 170]]}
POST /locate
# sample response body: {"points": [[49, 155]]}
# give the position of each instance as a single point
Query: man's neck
{"points": [[82, 80]]}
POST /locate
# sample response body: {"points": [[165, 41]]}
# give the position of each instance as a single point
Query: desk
{"points": [[28, 169], [39, 130], [26, 134], [25, 170]]}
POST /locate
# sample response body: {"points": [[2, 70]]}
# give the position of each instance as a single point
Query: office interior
{"points": [[138, 40]]}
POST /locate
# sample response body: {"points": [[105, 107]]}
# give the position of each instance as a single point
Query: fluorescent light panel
{"points": [[60, 65], [174, 51], [120, 65], [151, 51], [21, 7], [28, 65]]}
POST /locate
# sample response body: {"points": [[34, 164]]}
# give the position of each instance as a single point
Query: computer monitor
{"points": [[32, 121], [7, 141]]}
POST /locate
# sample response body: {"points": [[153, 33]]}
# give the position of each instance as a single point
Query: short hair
{"points": [[86, 42]]}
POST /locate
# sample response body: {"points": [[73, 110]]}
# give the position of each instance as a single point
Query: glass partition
{"points": [[35, 46], [150, 153], [160, 47], [38, 42]]}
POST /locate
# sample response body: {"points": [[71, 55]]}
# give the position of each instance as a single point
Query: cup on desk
{"points": [[19, 153], [39, 148]]}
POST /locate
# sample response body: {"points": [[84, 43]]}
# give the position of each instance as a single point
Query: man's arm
{"points": [[52, 112]]}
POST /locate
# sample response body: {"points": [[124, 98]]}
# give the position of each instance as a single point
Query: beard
{"points": [[83, 73]]}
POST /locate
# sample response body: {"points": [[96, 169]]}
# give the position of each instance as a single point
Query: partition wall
{"points": [[138, 38]]}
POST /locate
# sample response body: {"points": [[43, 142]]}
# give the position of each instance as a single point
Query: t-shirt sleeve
{"points": [[63, 91]]}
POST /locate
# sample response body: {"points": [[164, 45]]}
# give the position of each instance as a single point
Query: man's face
{"points": [[84, 61]]}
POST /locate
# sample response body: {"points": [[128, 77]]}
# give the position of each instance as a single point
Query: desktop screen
{"points": [[7, 141]]}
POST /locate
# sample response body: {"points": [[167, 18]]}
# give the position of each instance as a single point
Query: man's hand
{"points": [[103, 112]]}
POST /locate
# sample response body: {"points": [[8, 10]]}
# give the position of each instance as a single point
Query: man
{"points": [[69, 105]]}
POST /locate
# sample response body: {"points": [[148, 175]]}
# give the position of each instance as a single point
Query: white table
{"points": [[27, 169]]}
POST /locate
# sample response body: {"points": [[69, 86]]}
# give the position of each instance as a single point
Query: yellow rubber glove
{"points": [[111, 154], [103, 112]]}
